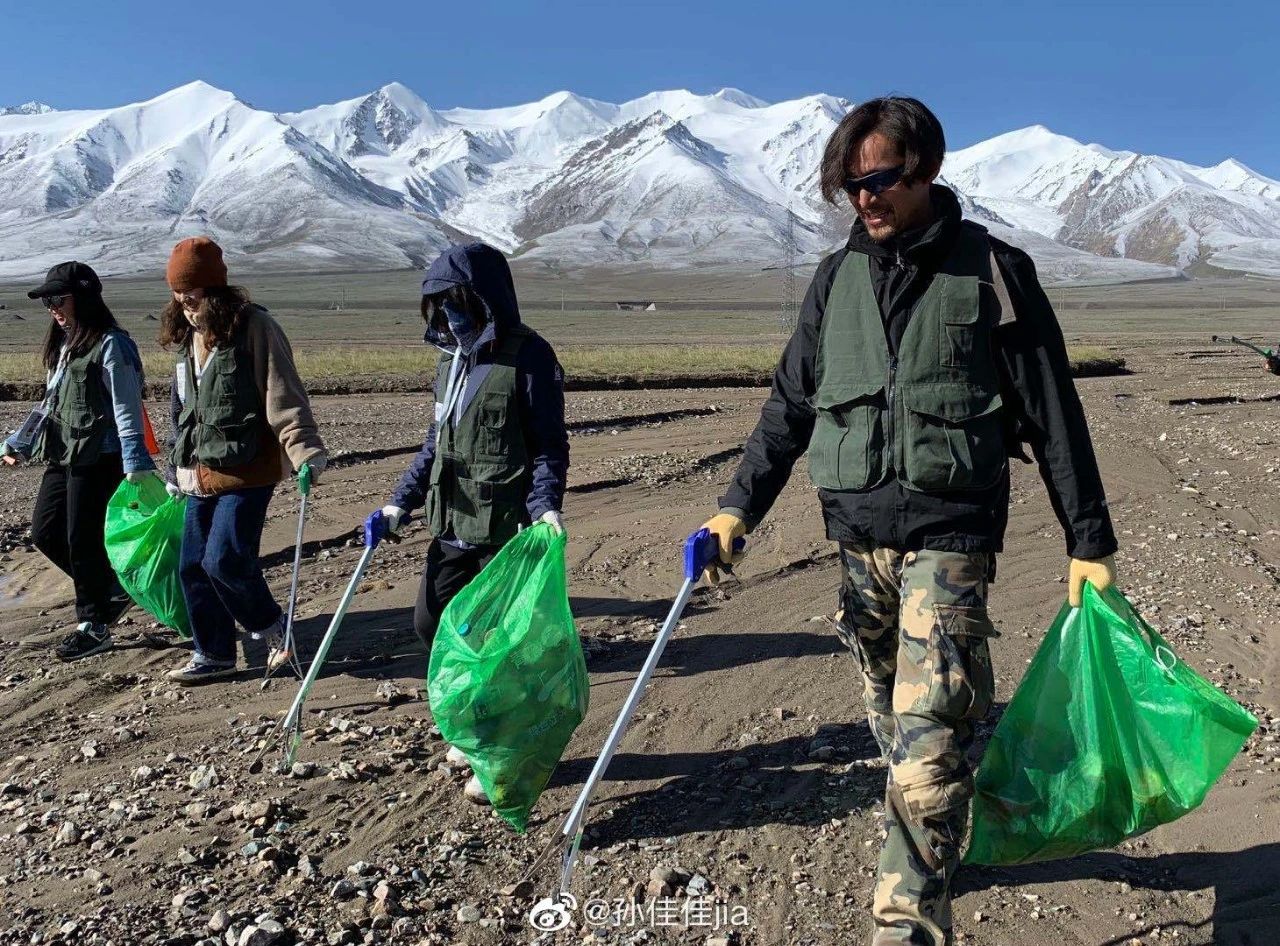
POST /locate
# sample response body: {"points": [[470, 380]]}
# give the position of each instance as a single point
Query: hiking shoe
{"points": [[456, 756], [85, 641], [197, 671], [475, 791]]}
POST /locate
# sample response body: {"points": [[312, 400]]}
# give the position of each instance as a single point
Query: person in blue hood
{"points": [[497, 452]]}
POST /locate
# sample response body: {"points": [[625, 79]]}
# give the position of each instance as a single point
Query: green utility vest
{"points": [[221, 421], [479, 480], [79, 413], [930, 417]]}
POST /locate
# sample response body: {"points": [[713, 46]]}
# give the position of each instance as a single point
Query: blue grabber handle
{"points": [[375, 529], [701, 549]]}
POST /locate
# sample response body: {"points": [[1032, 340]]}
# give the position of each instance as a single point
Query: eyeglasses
{"points": [[54, 302], [187, 297], [875, 183]]}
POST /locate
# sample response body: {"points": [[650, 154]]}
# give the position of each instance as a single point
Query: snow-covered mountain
{"points": [[118, 187], [1121, 204], [668, 179], [27, 108]]}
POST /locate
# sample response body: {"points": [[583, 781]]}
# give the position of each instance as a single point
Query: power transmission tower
{"points": [[789, 311]]}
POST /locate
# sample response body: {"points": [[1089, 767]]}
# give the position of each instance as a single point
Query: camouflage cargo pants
{"points": [[917, 624]]}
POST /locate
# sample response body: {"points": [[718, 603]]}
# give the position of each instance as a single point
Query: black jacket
{"points": [[1040, 398], [539, 376]]}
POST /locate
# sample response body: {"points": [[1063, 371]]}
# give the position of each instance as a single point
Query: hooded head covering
{"points": [[485, 272]]}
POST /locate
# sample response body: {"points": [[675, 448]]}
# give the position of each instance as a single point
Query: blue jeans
{"points": [[221, 576]]}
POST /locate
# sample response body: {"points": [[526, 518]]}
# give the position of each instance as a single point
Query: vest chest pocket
{"points": [[229, 415], [959, 336], [222, 402], [847, 447], [77, 401], [953, 438], [493, 416]]}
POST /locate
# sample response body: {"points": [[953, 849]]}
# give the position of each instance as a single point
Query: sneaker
{"points": [[475, 791], [85, 641], [457, 757], [197, 671]]}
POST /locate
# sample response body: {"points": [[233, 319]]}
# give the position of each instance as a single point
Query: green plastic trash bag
{"points": [[144, 542], [507, 680], [1107, 736]]}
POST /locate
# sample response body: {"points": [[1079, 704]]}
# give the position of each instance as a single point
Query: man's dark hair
{"points": [[906, 122], [92, 320]]}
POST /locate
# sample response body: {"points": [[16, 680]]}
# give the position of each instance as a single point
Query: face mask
{"points": [[463, 327]]}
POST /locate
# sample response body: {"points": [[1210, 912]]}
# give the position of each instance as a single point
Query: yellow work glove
{"points": [[725, 527], [1099, 572]]}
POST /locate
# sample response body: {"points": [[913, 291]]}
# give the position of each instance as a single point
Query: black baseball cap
{"points": [[67, 278]]}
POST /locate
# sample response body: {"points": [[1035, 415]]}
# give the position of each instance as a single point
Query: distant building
{"points": [[642, 305]]}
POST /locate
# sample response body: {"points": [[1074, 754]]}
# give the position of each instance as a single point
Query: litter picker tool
{"points": [[1264, 352], [700, 550], [290, 727], [291, 651]]}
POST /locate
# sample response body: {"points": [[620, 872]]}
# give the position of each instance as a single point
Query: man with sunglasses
{"points": [[926, 353]]}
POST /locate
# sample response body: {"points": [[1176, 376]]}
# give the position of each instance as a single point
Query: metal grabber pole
{"points": [[375, 530], [304, 489], [700, 550]]}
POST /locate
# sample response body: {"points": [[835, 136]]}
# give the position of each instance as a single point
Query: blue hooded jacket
{"points": [[539, 378]]}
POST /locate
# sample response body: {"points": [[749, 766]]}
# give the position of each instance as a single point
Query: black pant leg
{"points": [[89, 489], [49, 518], [448, 571]]}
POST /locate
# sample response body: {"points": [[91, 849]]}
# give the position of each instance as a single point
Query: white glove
{"points": [[393, 515], [172, 489], [552, 518], [140, 476], [318, 463]]}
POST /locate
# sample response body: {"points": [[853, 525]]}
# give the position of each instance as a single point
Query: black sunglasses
{"points": [[54, 302], [875, 183]]}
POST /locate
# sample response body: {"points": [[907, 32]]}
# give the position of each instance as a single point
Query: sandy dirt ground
{"points": [[127, 813]]}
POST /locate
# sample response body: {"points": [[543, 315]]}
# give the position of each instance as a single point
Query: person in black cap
{"points": [[89, 431]]}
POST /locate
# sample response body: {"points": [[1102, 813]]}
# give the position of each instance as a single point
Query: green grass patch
{"points": [[1090, 361], [386, 368]]}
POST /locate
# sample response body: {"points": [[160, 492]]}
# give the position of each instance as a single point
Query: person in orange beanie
{"points": [[241, 420]]}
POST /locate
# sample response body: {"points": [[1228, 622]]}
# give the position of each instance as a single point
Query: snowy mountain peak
{"points": [[379, 123], [26, 108], [1231, 175], [398, 90], [1033, 138], [197, 94], [740, 98], [573, 100]]}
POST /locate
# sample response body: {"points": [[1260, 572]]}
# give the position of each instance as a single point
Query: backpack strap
{"points": [[1007, 313]]}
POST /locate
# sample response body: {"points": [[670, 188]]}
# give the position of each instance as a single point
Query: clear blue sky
{"points": [[1199, 82]]}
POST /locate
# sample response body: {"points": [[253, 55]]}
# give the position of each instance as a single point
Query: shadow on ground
{"points": [[1246, 909]]}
